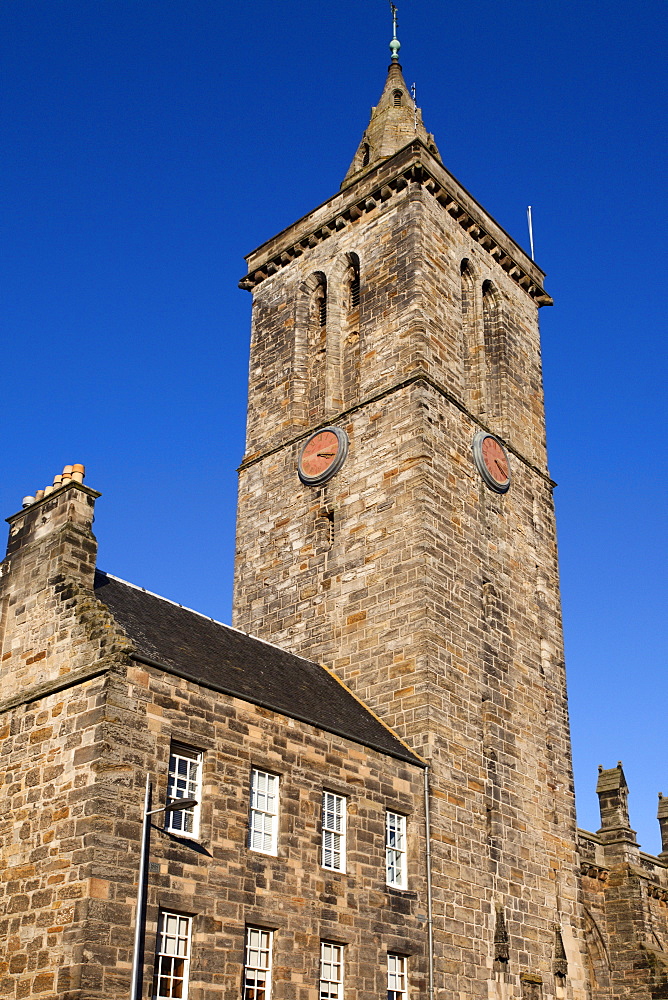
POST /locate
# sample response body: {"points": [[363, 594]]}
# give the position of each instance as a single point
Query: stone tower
{"points": [[401, 320]]}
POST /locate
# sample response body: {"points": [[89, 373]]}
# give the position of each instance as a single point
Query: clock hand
{"points": [[326, 454]]}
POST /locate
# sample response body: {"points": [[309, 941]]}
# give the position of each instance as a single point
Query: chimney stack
{"points": [[51, 554]]}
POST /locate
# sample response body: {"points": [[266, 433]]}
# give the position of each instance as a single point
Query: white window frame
{"points": [[172, 946], [184, 781], [331, 971], [334, 831], [395, 850], [257, 964], [397, 977], [263, 819]]}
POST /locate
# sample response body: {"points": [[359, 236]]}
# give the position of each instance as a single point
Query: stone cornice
{"points": [[418, 376], [413, 164], [595, 871], [69, 485]]}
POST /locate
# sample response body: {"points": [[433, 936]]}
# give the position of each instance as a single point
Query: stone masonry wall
{"points": [[75, 765], [626, 909], [47, 747], [58, 643]]}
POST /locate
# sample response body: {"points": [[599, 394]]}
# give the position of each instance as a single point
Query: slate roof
{"points": [[219, 657]]}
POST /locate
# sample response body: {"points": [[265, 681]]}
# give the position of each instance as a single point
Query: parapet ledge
{"points": [[411, 164], [653, 860], [588, 835]]}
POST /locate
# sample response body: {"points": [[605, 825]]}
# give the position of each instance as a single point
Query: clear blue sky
{"points": [[149, 144]]}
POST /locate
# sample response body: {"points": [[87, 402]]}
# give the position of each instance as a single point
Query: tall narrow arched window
{"points": [[352, 283], [472, 355], [397, 99], [495, 353], [366, 154], [316, 345], [350, 347]]}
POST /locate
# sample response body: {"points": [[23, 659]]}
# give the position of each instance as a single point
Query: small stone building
{"points": [[307, 848]]}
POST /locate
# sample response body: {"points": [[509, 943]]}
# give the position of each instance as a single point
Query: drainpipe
{"points": [[138, 950], [430, 916]]}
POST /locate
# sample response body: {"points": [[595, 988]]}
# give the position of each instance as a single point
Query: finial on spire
{"points": [[395, 44]]}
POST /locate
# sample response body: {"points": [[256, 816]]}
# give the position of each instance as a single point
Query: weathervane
{"points": [[395, 44]]}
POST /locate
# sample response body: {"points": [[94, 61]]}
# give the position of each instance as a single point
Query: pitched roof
{"points": [[202, 650]]}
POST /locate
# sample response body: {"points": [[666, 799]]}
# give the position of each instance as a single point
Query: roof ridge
{"points": [[208, 618]]}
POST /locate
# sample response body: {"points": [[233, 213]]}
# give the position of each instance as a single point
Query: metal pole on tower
{"points": [[530, 221]]}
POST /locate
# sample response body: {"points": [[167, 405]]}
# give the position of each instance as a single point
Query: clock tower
{"points": [[396, 523]]}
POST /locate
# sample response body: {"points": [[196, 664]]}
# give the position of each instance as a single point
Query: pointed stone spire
{"points": [[662, 816], [394, 122], [615, 831], [613, 793]]}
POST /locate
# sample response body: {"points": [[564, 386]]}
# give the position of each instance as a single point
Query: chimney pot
{"points": [[27, 501], [57, 480], [39, 494]]}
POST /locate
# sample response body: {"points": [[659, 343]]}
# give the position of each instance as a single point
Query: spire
{"points": [[395, 120]]}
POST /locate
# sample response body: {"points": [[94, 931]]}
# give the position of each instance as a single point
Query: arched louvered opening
{"points": [[350, 353], [472, 353], [397, 98], [315, 292], [322, 305], [352, 283], [366, 154], [495, 354]]}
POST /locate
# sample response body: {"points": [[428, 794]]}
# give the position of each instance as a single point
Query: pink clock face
{"points": [[496, 461], [319, 454]]}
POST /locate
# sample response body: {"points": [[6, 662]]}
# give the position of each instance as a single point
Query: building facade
{"points": [[379, 749], [305, 859]]}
